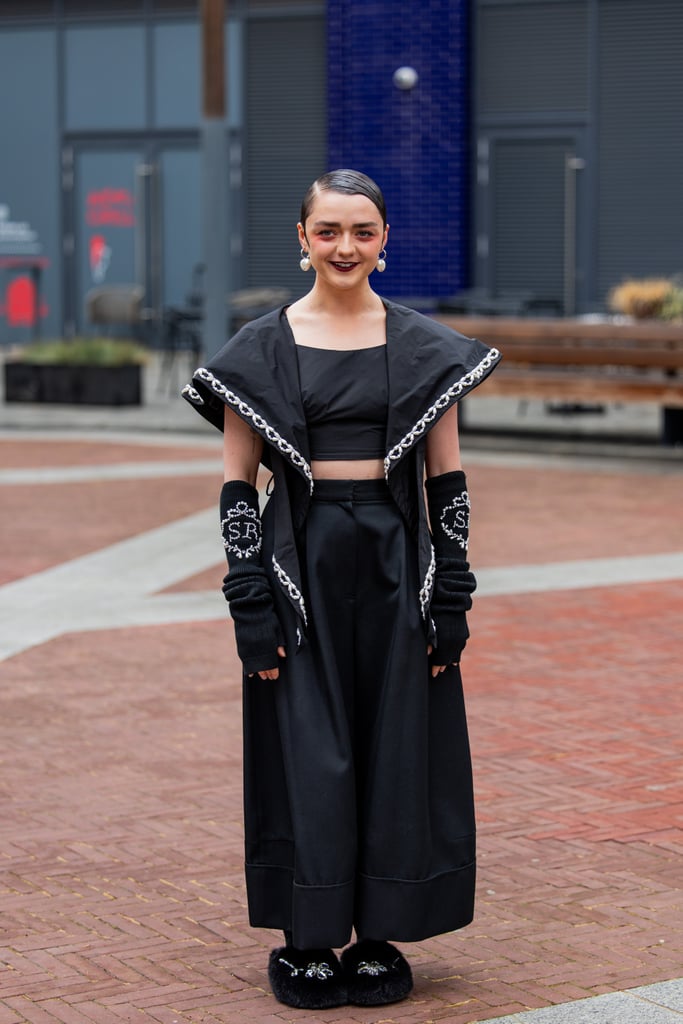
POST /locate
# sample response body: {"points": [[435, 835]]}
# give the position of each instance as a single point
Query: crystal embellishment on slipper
{"points": [[374, 968], [376, 973], [321, 971]]}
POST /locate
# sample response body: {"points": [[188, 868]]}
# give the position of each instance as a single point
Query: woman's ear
{"points": [[302, 235]]}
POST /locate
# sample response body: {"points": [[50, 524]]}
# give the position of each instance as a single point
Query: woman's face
{"points": [[344, 235]]}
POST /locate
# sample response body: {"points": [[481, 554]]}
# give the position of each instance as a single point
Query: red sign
{"points": [[112, 206], [20, 303]]}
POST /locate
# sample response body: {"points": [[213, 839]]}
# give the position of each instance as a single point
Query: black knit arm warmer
{"points": [[246, 586], [454, 584]]}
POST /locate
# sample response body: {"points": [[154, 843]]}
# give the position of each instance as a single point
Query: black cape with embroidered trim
{"points": [[430, 367]]}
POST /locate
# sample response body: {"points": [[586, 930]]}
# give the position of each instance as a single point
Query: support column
{"points": [[215, 233]]}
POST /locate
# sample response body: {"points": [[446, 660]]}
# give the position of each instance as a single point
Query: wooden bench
{"points": [[584, 362]]}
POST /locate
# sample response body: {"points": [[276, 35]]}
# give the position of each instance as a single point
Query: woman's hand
{"points": [[271, 673], [437, 669]]}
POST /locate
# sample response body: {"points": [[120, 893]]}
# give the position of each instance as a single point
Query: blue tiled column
{"points": [[413, 143]]}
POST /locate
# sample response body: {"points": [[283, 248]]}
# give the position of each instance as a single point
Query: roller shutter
{"points": [[528, 216], [286, 100], [532, 57], [640, 214]]}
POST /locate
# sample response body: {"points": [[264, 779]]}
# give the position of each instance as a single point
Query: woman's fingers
{"points": [[437, 669], [271, 673]]}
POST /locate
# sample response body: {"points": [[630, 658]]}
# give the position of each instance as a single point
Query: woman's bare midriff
{"points": [[348, 469]]}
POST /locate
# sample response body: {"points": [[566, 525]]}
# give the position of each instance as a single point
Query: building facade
{"points": [[577, 146], [100, 177], [526, 147]]}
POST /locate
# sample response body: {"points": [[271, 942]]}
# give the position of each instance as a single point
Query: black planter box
{"points": [[672, 426], [73, 385]]}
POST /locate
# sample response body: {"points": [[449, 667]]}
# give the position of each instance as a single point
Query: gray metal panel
{"points": [[528, 215], [25, 8], [75, 7], [177, 74], [175, 5], [105, 77], [640, 140], [532, 57], [286, 99]]}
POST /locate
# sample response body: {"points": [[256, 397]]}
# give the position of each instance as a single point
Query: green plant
{"points": [[85, 352], [672, 308]]}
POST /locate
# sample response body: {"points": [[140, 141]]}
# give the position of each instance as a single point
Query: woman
{"points": [[349, 612]]}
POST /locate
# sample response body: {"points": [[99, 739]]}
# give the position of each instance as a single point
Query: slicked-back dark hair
{"points": [[348, 182]]}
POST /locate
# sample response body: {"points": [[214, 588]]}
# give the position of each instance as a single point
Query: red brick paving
{"points": [[526, 516], [210, 579], [27, 453], [120, 834], [65, 521]]}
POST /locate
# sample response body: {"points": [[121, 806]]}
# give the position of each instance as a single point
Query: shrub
{"points": [[673, 304], [650, 297], [85, 352]]}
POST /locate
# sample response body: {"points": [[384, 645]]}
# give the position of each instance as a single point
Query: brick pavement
{"points": [[120, 836]]}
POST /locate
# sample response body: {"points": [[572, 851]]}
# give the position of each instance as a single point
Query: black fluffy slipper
{"points": [[376, 973], [310, 979]]}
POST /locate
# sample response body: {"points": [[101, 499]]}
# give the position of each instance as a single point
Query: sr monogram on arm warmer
{"points": [[246, 586], [241, 530]]}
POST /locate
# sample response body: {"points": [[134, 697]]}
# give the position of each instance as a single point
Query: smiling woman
{"points": [[358, 187], [350, 616], [342, 236]]}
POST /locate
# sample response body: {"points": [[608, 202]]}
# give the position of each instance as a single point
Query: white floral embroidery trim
{"points": [[290, 587], [428, 585], [192, 394], [442, 402], [262, 425]]}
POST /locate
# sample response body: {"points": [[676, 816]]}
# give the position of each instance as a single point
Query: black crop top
{"points": [[345, 396]]}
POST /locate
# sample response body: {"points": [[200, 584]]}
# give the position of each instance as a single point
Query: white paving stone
{"points": [[108, 588], [588, 572], [118, 585], [637, 1006]]}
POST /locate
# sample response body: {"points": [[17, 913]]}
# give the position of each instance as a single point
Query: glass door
{"points": [[132, 215]]}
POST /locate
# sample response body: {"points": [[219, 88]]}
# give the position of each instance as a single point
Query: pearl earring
{"points": [[305, 261], [381, 261]]}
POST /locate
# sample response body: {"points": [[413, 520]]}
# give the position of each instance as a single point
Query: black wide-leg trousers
{"points": [[358, 784]]}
